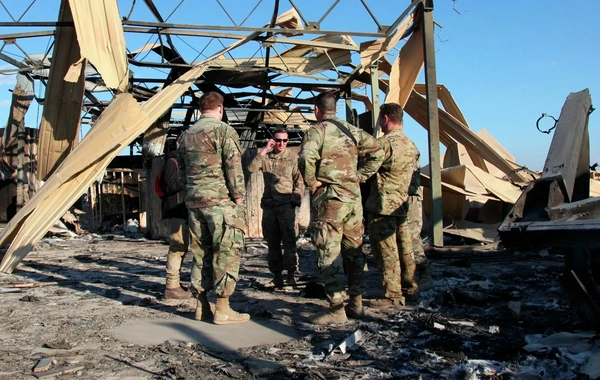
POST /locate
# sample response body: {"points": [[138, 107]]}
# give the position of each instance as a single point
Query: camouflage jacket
{"points": [[283, 182], [209, 155], [415, 184], [331, 157], [390, 188]]}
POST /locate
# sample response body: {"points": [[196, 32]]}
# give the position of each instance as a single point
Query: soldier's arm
{"points": [[182, 178], [256, 164], [232, 165], [298, 183], [309, 155], [373, 156]]}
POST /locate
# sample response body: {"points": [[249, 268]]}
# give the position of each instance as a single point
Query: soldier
{"points": [[414, 218], [328, 162], [391, 243], [174, 211], [209, 154], [282, 194]]}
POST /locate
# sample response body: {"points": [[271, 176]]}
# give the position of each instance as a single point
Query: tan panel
{"points": [[504, 190], [406, 69], [325, 42], [289, 20], [416, 107], [450, 105], [371, 51], [101, 38], [293, 65], [61, 118]]}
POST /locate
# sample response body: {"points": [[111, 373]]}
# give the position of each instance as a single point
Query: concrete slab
{"points": [[220, 338]]}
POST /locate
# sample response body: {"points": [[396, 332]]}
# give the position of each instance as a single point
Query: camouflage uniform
{"points": [[387, 205], [209, 153], [283, 192], [415, 215], [331, 157]]}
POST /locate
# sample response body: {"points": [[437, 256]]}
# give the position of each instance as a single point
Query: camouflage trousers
{"points": [[217, 241], [179, 239], [393, 253], [278, 226], [337, 234], [414, 218]]}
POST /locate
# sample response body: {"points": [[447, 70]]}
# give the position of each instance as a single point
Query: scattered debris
{"points": [[592, 367], [59, 345], [43, 365], [514, 308], [29, 298], [260, 368], [58, 371], [349, 342]]}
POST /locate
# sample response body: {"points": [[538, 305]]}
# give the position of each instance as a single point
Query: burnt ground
{"points": [[460, 330]]}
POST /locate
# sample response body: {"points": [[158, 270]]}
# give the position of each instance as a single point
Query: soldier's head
{"points": [[390, 117], [325, 104], [281, 139], [211, 104]]}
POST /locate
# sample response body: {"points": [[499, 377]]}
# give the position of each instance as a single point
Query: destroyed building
{"points": [[131, 74]]}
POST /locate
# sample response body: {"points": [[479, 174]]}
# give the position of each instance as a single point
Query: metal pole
{"points": [[434, 126], [349, 113], [375, 95], [123, 199], [20, 162]]}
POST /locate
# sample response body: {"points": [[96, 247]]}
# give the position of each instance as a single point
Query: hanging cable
{"points": [[537, 123]]}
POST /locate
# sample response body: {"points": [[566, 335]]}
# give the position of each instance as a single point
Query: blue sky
{"points": [[505, 62]]}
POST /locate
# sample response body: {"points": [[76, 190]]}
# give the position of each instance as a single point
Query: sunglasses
{"points": [[281, 140]]}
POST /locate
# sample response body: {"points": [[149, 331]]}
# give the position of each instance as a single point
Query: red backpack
{"points": [[158, 182]]}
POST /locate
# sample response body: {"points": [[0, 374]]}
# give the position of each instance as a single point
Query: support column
{"points": [[433, 122], [349, 113], [20, 164], [375, 95]]}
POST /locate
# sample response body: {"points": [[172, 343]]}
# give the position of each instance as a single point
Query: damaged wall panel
{"points": [[416, 107], [59, 129], [122, 121], [101, 38]]}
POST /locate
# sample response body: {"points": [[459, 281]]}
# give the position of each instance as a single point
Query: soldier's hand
{"points": [[268, 148], [318, 184], [239, 201]]}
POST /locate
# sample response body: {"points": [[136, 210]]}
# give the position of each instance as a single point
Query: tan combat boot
{"points": [[225, 316], [203, 308], [176, 294], [388, 303], [355, 308], [335, 314]]}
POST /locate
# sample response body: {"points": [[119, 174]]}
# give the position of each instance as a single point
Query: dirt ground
{"points": [[460, 330]]}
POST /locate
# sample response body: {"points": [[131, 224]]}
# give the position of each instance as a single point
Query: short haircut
{"points": [[279, 130], [326, 102], [210, 101], [393, 111]]}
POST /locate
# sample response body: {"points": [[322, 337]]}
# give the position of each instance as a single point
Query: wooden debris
{"points": [[58, 371], [30, 285], [9, 290], [43, 365], [462, 323]]}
